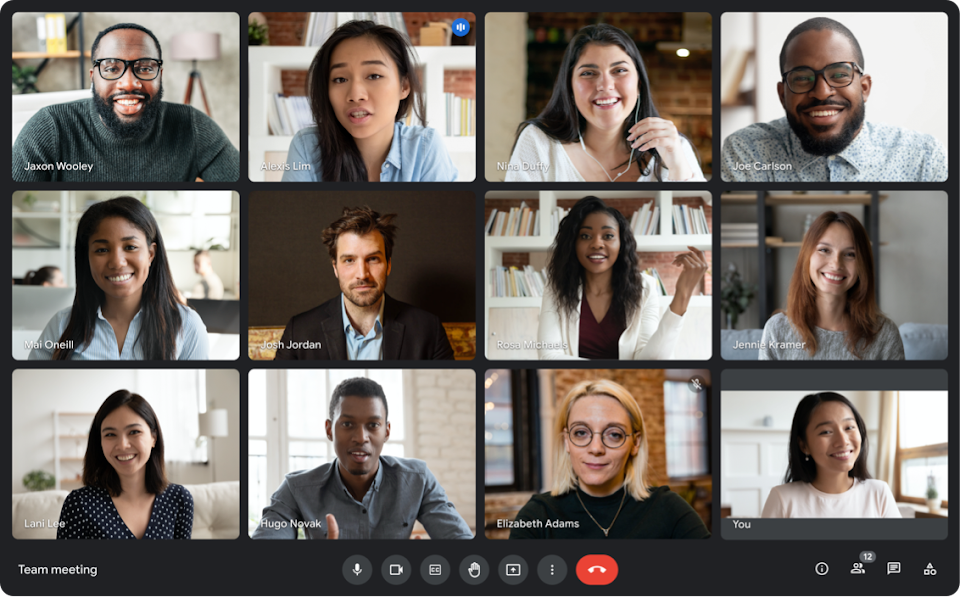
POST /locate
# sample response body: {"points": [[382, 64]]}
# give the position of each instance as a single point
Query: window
{"points": [[687, 430], [286, 431], [922, 435], [511, 430]]}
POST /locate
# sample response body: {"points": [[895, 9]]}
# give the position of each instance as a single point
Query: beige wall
{"points": [[505, 54], [221, 79]]}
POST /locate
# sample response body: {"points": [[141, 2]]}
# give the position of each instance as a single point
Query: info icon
{"points": [[461, 27]]}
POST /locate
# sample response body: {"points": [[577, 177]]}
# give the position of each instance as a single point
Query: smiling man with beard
{"points": [[362, 494], [824, 136], [363, 323], [125, 133]]}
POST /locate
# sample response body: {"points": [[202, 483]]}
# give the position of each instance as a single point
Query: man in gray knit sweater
{"points": [[124, 133]]}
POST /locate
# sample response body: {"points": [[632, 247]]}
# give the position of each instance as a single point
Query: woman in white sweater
{"points": [[827, 475], [598, 304], [600, 125]]}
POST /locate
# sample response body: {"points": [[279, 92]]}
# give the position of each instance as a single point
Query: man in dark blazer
{"points": [[363, 323]]}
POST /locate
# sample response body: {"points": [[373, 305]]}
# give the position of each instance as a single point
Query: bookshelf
{"points": [[267, 62], [76, 22], [765, 214], [70, 431], [523, 312]]}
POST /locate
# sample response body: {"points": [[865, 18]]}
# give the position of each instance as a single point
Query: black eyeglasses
{"points": [[145, 69], [803, 78], [612, 437]]}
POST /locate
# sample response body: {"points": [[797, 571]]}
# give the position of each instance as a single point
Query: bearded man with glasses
{"points": [[824, 136], [125, 133]]}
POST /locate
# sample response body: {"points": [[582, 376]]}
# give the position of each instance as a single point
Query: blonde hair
{"points": [[634, 480]]}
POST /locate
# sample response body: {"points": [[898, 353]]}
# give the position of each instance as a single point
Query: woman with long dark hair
{"points": [[601, 125], [598, 304], [363, 85], [601, 484], [126, 494], [827, 474], [832, 311], [126, 306]]}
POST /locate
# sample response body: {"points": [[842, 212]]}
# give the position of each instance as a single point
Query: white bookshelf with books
{"points": [[267, 62], [512, 296]]}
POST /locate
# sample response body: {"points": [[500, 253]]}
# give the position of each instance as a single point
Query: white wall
{"points": [[37, 393], [894, 45], [753, 458]]}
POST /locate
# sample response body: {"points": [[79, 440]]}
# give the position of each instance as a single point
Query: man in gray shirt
{"points": [[361, 495]]}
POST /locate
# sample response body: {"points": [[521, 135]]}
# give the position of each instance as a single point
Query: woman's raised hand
{"points": [[694, 265], [661, 134]]}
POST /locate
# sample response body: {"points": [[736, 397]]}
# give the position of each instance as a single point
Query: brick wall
{"points": [[288, 29], [445, 403], [646, 385]]}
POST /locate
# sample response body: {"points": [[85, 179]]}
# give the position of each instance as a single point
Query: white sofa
{"points": [[216, 511], [26, 105]]}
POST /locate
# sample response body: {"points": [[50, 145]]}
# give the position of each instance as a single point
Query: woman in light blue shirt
{"points": [[363, 85], [127, 308]]}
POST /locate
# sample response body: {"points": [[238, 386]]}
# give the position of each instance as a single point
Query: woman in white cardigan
{"points": [[598, 304]]}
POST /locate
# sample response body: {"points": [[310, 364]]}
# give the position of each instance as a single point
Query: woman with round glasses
{"points": [[600, 486]]}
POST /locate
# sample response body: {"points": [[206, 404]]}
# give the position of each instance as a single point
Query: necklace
{"points": [[606, 531], [611, 179]]}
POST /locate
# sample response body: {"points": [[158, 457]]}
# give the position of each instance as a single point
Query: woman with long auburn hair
{"points": [[601, 483], [832, 311]]}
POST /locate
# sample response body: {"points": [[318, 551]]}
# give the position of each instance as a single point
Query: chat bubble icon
{"points": [[893, 568]]}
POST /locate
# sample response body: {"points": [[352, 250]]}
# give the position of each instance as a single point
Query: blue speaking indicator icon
{"points": [[461, 27]]}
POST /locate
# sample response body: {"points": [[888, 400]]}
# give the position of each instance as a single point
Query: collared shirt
{"points": [[403, 492], [417, 154], [360, 347], [192, 342], [771, 152]]}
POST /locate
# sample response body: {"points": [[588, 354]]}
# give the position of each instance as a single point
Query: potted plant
{"points": [[933, 497], [257, 34], [38, 481], [735, 295], [24, 79]]}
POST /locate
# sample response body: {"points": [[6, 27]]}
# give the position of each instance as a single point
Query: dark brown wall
{"points": [[434, 255]]}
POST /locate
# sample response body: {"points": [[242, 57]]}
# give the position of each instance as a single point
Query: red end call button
{"points": [[597, 569]]}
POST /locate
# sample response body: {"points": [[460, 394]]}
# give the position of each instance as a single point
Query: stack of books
{"points": [[519, 221], [287, 115], [652, 271], [739, 234], [689, 220], [52, 32], [646, 221], [515, 282], [461, 115]]}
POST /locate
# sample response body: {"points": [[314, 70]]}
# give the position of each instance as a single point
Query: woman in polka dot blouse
{"points": [[126, 494]]}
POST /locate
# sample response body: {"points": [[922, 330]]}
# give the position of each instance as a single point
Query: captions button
{"points": [[435, 570]]}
